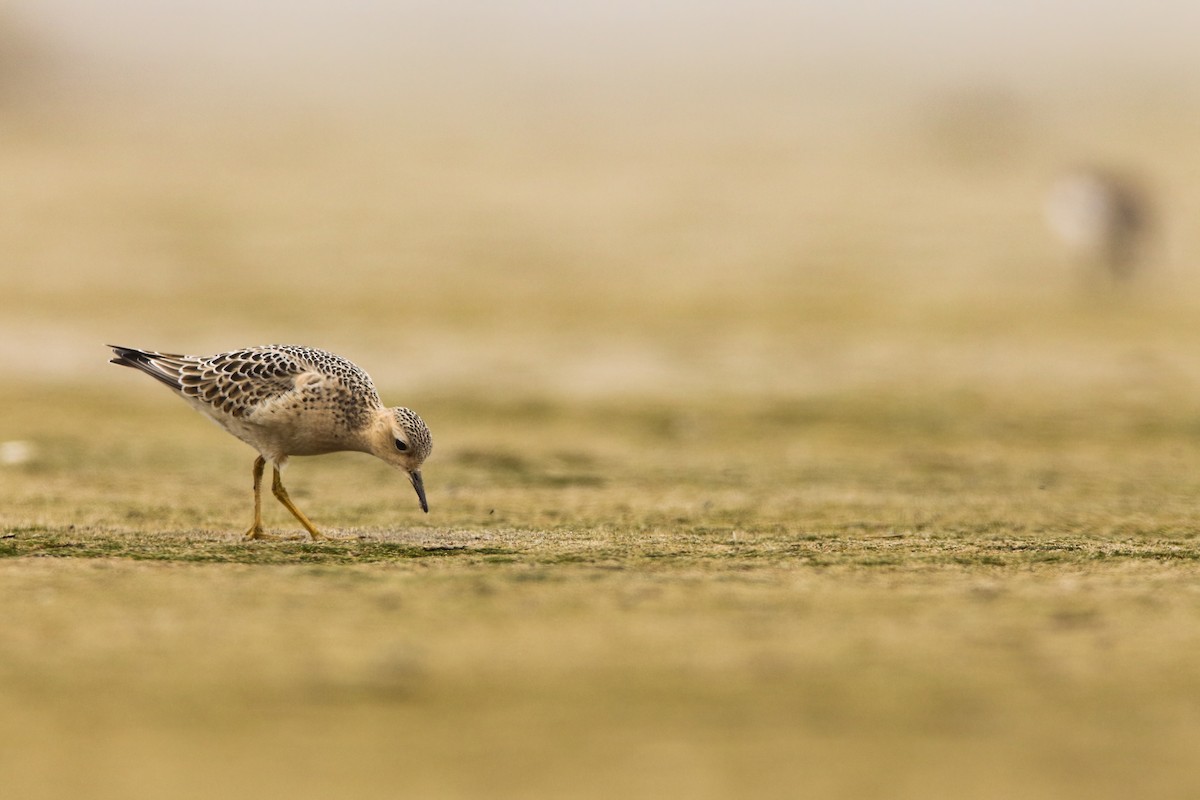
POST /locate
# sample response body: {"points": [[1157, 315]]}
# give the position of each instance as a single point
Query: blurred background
{"points": [[814, 386], [652, 198]]}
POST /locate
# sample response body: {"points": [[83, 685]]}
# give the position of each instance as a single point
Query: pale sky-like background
{"points": [[324, 44]]}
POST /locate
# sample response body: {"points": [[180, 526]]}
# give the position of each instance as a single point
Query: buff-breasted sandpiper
{"points": [[287, 400]]}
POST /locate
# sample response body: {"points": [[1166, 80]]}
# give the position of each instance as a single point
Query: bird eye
{"points": [[400, 445]]}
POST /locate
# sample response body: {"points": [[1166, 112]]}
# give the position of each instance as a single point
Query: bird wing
{"points": [[235, 383], [240, 381]]}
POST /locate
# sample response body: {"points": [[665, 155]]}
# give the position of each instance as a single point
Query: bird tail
{"points": [[163, 367]]}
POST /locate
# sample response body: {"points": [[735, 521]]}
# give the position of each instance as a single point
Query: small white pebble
{"points": [[16, 452]]}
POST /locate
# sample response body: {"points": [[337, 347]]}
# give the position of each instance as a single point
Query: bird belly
{"points": [[276, 441]]}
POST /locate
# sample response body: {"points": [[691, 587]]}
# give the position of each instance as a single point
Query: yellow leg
{"points": [[256, 530], [282, 496]]}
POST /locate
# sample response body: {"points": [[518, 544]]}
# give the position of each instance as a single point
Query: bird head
{"points": [[403, 440]]}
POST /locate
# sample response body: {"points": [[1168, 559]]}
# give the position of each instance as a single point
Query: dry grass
{"points": [[847, 598]]}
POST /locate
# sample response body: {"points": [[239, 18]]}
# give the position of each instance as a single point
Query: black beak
{"points": [[419, 484]]}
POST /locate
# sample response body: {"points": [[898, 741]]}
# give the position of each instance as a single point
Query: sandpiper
{"points": [[288, 400]]}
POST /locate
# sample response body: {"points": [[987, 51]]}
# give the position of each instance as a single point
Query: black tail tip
{"points": [[125, 356]]}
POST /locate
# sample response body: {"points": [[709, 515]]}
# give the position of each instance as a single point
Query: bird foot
{"points": [[256, 532]]}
